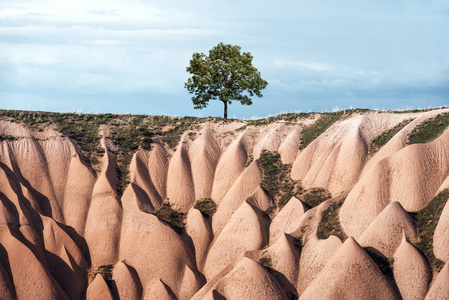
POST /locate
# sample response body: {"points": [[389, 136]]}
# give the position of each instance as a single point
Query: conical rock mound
{"points": [[204, 154], [105, 213], [127, 282], [289, 147], [180, 189], [288, 219], [245, 231], [284, 256], [98, 290], [247, 280], [199, 230], [229, 167], [385, 232], [411, 271], [242, 188], [350, 274], [314, 256]]}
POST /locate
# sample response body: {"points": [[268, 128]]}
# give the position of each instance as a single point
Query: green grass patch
{"points": [[330, 222], [429, 130], [288, 117], [206, 206], [315, 196], [311, 132], [276, 178], [426, 221], [326, 120], [174, 218], [385, 136], [105, 271], [265, 261], [249, 161]]}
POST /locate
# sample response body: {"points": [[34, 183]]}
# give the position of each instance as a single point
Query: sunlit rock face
{"points": [[68, 232]]}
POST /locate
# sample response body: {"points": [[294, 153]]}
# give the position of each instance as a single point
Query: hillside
{"points": [[343, 205]]}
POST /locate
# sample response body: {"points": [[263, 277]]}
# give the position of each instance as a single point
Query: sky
{"points": [[114, 56]]}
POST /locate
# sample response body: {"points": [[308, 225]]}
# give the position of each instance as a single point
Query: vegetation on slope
{"points": [[429, 130], [288, 117], [7, 137], [174, 218], [385, 136], [206, 206], [426, 221], [315, 196], [326, 120], [330, 222], [276, 179], [105, 271], [265, 261]]}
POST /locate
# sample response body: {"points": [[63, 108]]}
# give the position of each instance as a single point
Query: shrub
{"points": [[276, 179], [315, 196], [330, 222], [265, 262], [311, 132], [326, 120], [429, 130], [206, 206], [174, 218], [385, 136], [105, 271], [426, 221]]}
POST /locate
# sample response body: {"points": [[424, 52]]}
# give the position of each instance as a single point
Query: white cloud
{"points": [[307, 65], [302, 48]]}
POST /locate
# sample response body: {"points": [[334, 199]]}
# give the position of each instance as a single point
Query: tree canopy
{"points": [[226, 75]]}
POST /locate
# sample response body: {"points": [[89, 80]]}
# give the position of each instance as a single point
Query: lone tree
{"points": [[225, 74]]}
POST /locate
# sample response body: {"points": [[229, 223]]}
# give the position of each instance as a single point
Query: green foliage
{"points": [[385, 136], [315, 196], [288, 117], [265, 261], [326, 120], [384, 264], [105, 271], [174, 218], [250, 160], [429, 130], [426, 221], [276, 179], [311, 132], [330, 222], [128, 135], [206, 206], [226, 75]]}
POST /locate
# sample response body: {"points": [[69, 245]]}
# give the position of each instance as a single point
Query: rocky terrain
{"points": [[343, 205]]}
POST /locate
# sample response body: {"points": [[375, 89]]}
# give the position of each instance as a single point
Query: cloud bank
{"points": [[130, 56]]}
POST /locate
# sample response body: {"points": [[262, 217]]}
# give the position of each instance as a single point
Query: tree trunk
{"points": [[225, 110]]}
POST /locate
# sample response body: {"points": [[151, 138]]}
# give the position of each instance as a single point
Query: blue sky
{"points": [[130, 56]]}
